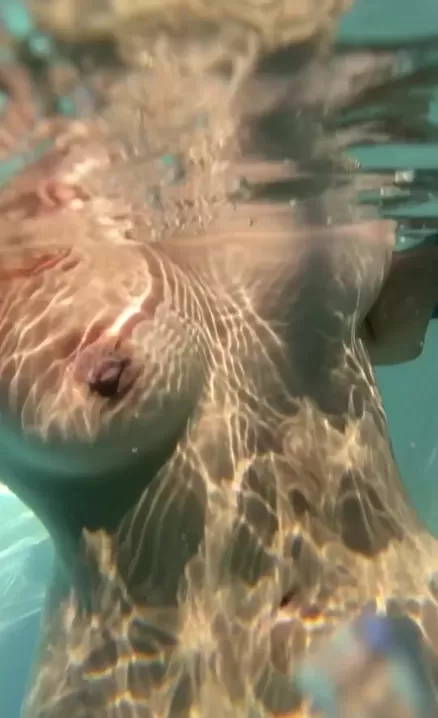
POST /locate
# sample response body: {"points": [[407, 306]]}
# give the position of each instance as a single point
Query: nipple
{"points": [[107, 369]]}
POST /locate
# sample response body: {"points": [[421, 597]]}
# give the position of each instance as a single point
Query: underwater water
{"points": [[410, 391]]}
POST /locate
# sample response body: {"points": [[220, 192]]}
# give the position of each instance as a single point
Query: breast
{"points": [[73, 303]]}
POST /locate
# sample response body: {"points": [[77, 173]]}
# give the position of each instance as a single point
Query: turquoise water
{"points": [[410, 394], [410, 391]]}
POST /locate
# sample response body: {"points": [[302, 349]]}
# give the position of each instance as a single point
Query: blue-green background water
{"points": [[410, 391]]}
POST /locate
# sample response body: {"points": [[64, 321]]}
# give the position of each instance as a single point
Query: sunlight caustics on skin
{"points": [[274, 510]]}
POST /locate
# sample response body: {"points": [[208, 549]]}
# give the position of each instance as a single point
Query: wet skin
{"points": [[188, 406]]}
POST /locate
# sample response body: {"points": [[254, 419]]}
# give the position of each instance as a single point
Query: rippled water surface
{"points": [[395, 131]]}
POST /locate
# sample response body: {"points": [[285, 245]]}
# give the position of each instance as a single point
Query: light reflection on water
{"points": [[22, 580], [410, 391]]}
